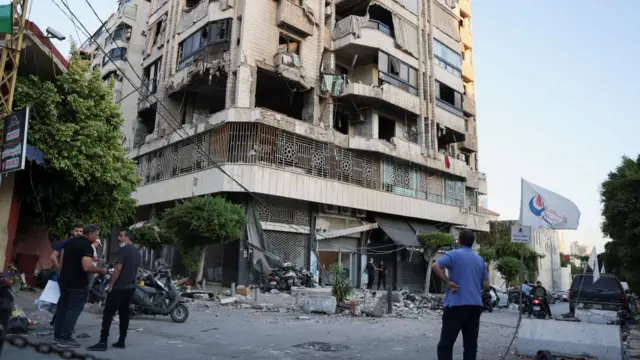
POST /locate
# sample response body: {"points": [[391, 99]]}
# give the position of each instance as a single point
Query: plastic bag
{"points": [[45, 306], [18, 322]]}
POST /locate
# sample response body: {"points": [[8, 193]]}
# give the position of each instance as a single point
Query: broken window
{"points": [[380, 19], [451, 98], [147, 119], [191, 3], [393, 71], [341, 122], [156, 33], [211, 34], [278, 94], [111, 74], [288, 45], [150, 78], [386, 128]]}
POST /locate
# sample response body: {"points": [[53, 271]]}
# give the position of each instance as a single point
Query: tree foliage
{"points": [[89, 177], [150, 236], [435, 241], [620, 197], [487, 253], [509, 267]]}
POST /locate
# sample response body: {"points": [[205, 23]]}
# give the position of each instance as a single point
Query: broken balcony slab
{"points": [[385, 93]]}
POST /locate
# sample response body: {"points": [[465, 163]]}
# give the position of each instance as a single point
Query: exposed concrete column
{"points": [[246, 78], [374, 123]]}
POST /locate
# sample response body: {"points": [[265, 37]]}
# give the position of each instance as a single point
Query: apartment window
{"points": [[213, 33], [393, 71], [156, 32], [448, 98], [115, 54], [150, 78], [122, 3], [288, 45], [447, 58]]}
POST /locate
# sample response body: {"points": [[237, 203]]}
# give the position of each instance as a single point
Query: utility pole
{"points": [[11, 56]]}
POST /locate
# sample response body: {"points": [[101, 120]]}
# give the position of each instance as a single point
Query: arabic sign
{"points": [[521, 234], [14, 141]]}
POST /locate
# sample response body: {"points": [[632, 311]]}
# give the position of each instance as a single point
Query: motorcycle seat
{"points": [[147, 289]]}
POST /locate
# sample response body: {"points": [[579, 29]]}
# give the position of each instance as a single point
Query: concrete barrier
{"points": [[567, 337], [315, 300]]}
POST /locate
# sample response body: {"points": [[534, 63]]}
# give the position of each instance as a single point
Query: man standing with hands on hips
{"points": [[463, 299], [121, 288]]}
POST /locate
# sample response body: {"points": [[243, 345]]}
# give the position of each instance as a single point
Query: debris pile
{"points": [[632, 344], [404, 304]]}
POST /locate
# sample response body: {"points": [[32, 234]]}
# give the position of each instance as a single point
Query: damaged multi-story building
{"points": [[344, 127]]}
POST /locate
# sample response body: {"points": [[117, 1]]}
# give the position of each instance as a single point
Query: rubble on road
{"points": [[632, 344], [404, 304]]}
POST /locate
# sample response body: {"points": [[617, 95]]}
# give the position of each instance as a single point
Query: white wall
{"points": [[544, 242]]}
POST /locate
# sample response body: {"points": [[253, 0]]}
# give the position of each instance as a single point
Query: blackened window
{"points": [[213, 33], [398, 73]]}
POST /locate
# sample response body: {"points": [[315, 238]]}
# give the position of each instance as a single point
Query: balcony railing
{"points": [[259, 144], [377, 25]]}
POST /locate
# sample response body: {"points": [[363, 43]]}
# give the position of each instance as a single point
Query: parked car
{"points": [[562, 296], [499, 297], [606, 293]]}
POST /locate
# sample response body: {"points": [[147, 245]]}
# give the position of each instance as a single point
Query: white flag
{"points": [[602, 271], [593, 264], [540, 207]]}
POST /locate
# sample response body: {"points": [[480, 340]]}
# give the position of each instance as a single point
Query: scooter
{"points": [[538, 310], [487, 300], [159, 296]]}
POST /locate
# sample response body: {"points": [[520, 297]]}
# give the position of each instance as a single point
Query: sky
{"points": [[555, 89]]}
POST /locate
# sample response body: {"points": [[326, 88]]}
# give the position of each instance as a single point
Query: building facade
{"points": [[348, 122], [123, 38]]}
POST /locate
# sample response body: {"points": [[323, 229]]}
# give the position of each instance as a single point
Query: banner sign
{"points": [[14, 141]]}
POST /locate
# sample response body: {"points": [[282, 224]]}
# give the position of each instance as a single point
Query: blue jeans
{"points": [[70, 305]]}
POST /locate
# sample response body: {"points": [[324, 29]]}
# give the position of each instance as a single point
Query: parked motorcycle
{"points": [[98, 288], [487, 300], [6, 306], [159, 296], [283, 278]]}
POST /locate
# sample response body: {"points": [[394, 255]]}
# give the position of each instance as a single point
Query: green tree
{"points": [[487, 253], [620, 198], [150, 236], [201, 221], [432, 242], [89, 177], [509, 267]]}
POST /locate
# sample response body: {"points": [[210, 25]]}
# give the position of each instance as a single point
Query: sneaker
{"points": [[118, 345], [66, 344], [101, 346]]}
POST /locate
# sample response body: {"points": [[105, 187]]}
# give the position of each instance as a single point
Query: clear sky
{"points": [[556, 86]]}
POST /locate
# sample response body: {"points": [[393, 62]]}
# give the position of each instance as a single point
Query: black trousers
{"points": [[117, 302], [370, 281], [454, 320], [68, 310], [382, 279]]}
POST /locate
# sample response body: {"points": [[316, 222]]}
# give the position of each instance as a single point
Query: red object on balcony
{"points": [[447, 163]]}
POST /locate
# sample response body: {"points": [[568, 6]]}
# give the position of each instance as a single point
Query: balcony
{"points": [[373, 36], [470, 143], [266, 156], [291, 15], [385, 94], [148, 89], [469, 105], [468, 74], [450, 117], [466, 38], [482, 183]]}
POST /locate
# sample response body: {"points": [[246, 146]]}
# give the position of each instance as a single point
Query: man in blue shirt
{"points": [[526, 288], [463, 299]]}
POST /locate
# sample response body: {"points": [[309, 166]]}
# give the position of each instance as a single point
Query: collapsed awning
{"points": [[398, 230], [36, 155], [423, 228]]}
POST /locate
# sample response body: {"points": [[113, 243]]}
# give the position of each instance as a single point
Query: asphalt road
{"points": [[214, 332], [226, 333]]}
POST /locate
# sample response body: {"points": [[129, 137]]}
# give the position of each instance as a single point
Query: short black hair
{"points": [[466, 238], [78, 225], [127, 233], [90, 228]]}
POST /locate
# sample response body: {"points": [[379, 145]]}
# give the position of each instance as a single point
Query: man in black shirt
{"points": [[121, 289], [382, 275], [540, 292], [371, 271], [76, 263]]}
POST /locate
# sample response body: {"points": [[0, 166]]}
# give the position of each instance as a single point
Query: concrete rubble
{"points": [[632, 344]]}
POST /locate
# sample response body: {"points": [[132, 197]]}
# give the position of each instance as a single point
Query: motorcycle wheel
{"points": [[180, 314], [489, 307]]}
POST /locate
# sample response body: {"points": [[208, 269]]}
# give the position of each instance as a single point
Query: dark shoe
{"points": [[119, 344], [101, 346], [66, 344]]}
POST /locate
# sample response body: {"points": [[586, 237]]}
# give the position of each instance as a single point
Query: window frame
{"points": [[397, 79], [122, 55], [211, 28], [447, 105], [446, 63]]}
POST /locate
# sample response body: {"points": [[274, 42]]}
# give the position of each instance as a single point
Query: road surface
{"points": [[228, 333]]}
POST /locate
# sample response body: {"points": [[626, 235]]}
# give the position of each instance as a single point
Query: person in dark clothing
{"points": [[76, 263], [382, 275], [121, 289], [371, 271], [55, 257], [463, 300], [539, 291]]}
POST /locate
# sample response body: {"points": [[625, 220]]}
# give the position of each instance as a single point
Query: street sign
{"points": [[14, 141], [521, 234]]}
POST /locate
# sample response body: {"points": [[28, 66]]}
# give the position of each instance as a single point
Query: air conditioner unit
{"points": [[331, 209], [361, 213], [345, 210]]}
